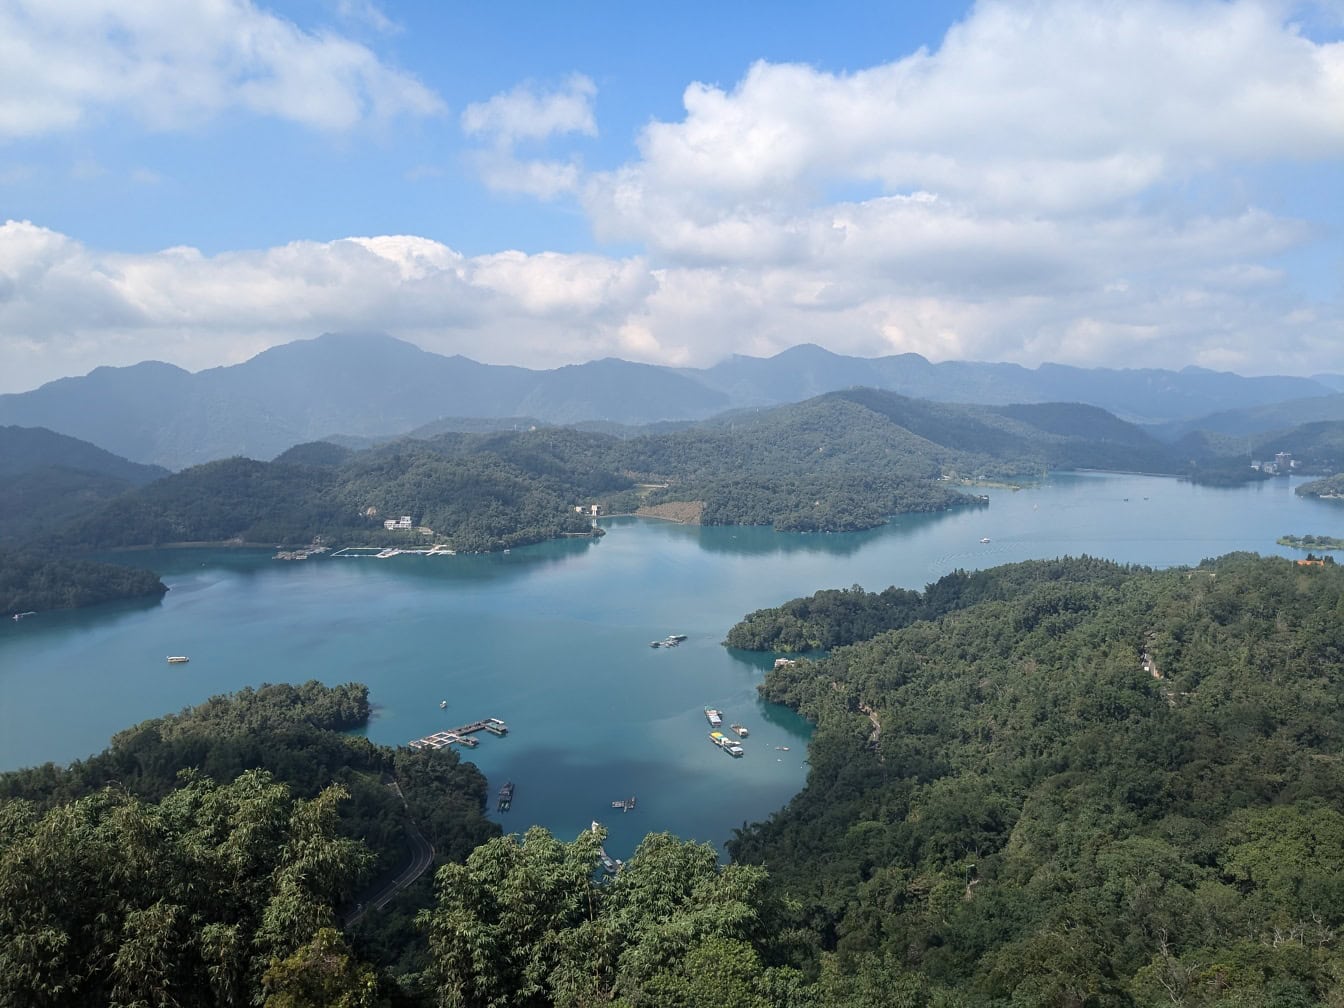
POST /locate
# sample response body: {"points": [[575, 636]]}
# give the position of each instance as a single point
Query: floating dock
{"points": [[624, 804], [461, 735], [610, 865]]}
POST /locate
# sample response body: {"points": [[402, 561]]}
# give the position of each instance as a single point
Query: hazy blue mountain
{"points": [[376, 387], [358, 385], [25, 449], [47, 477], [1147, 395], [1258, 419]]}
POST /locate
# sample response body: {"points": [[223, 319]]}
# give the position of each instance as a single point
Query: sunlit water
{"points": [[554, 639]]}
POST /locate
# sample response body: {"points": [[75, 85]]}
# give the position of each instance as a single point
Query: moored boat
{"points": [[726, 744], [505, 797], [715, 718], [177, 659], [740, 729]]}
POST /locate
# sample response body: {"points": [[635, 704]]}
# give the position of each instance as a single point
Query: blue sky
{"points": [[1123, 184]]}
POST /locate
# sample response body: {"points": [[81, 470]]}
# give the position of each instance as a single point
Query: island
{"points": [[1311, 542]]}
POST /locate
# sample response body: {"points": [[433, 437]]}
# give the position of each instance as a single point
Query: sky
{"points": [[1118, 183]]}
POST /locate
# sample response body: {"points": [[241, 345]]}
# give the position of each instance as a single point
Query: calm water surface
{"points": [[554, 640]]}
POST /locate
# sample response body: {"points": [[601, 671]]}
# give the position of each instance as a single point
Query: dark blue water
{"points": [[554, 640]]}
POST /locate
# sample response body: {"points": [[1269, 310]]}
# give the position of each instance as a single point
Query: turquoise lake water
{"points": [[554, 639]]}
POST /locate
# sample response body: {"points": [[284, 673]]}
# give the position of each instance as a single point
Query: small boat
{"points": [[726, 744], [177, 659], [985, 539], [655, 643], [23, 615], [505, 797], [676, 638], [443, 705], [781, 748], [715, 718], [740, 729]]}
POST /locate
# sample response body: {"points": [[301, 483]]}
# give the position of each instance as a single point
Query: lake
{"points": [[554, 639]]}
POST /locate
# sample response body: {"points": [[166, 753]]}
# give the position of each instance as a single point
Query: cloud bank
{"points": [[1057, 181]]}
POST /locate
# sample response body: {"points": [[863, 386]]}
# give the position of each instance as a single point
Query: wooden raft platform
{"points": [[461, 735]]}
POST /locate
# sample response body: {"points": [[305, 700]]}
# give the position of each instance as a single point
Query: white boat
{"points": [[177, 659], [985, 539], [443, 704], [715, 718]]}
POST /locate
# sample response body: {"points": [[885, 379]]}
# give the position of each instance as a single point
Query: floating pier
{"points": [[461, 735], [624, 804]]}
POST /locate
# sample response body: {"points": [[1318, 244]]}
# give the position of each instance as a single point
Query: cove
{"points": [[554, 639]]}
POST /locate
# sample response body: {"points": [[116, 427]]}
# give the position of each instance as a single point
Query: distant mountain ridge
{"points": [[369, 385]]}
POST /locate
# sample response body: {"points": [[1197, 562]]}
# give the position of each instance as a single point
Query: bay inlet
{"points": [[554, 640]]}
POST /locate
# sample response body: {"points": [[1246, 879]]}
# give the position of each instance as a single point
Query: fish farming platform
{"points": [[463, 735]]}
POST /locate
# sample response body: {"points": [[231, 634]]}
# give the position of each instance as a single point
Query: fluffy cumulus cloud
{"points": [[527, 117], [170, 62]]}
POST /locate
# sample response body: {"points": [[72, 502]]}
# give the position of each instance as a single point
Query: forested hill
{"points": [[207, 857], [839, 462], [1104, 786], [46, 477]]}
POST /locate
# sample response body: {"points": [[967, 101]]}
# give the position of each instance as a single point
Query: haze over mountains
{"points": [[374, 385]]}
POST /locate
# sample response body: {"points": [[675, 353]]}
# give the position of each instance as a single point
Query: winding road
{"points": [[422, 856]]}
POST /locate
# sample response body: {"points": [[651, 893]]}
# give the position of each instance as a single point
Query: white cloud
{"points": [[1057, 181], [171, 62], [1026, 109], [525, 115], [1180, 298]]}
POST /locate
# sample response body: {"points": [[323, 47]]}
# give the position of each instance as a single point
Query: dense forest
{"points": [[1106, 786], [35, 582], [252, 823]]}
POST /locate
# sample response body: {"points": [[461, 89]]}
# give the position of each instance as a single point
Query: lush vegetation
{"points": [[833, 617], [36, 582], [1107, 786], [838, 462], [230, 792]]}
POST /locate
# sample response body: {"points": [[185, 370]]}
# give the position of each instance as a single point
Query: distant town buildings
{"points": [[403, 523], [1283, 464]]}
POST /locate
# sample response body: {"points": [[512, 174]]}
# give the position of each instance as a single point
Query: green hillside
{"points": [[1101, 786]]}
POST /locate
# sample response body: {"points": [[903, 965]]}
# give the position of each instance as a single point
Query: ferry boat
{"points": [[177, 659], [715, 718], [505, 797], [726, 744], [741, 730]]}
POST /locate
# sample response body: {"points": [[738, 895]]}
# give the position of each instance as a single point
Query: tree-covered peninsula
{"points": [[32, 581], [1332, 488]]}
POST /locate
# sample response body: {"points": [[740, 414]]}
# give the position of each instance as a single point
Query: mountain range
{"points": [[369, 385]]}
